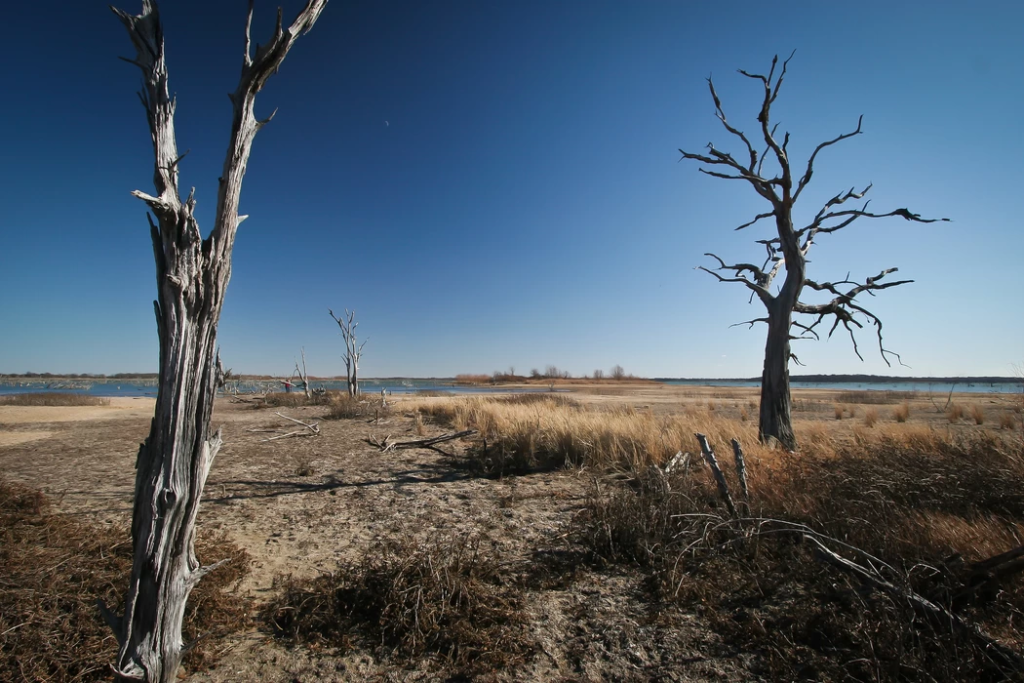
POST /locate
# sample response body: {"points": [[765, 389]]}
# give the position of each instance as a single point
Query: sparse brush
{"points": [[870, 417], [417, 425], [711, 406], [444, 596], [49, 398], [1006, 421], [978, 414], [839, 410], [901, 412], [343, 406], [955, 413], [55, 569], [759, 586], [744, 415]]}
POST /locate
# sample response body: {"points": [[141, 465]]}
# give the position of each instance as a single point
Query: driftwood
{"points": [[192, 278], [386, 445], [312, 429], [723, 486], [999, 653]]}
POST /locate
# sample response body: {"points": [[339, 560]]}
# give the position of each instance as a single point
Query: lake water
{"points": [[920, 386], [112, 388]]}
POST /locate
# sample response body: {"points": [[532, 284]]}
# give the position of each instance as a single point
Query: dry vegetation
{"points": [[54, 569], [552, 545], [53, 398]]}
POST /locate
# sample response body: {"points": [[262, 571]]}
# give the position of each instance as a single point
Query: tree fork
{"points": [[192, 276]]}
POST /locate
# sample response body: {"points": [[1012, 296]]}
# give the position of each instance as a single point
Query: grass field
{"points": [[550, 545]]}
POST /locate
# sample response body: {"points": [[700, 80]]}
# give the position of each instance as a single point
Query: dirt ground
{"points": [[299, 505]]}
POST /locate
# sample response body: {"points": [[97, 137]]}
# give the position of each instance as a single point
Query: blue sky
{"points": [[495, 184]]}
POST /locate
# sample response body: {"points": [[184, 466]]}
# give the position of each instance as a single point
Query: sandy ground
{"points": [[298, 505]]}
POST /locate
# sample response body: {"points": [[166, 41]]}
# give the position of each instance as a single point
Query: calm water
{"points": [[918, 386], [112, 388]]}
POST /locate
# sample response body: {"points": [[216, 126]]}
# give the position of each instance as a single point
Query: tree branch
{"points": [[843, 308], [758, 286], [810, 162]]}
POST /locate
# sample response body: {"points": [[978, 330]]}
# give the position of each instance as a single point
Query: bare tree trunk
{"points": [[192, 276], [775, 416], [303, 375]]}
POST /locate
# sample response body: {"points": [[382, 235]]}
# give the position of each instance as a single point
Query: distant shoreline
{"points": [[810, 379]]}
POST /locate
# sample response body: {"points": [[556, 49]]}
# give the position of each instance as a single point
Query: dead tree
{"points": [[787, 249], [303, 376], [192, 276], [353, 349]]}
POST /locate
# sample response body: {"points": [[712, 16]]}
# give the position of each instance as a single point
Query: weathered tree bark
{"points": [[192, 276], [788, 248], [353, 349]]}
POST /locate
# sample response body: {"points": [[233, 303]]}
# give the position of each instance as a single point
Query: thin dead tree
{"points": [[303, 376], [192, 276], [787, 249], [353, 349]]}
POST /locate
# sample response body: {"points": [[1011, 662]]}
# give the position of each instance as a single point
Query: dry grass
{"points": [[901, 412], [926, 502], [53, 399], [1006, 420], [923, 501], [53, 569], [978, 414], [443, 597], [838, 412], [955, 413], [875, 397], [343, 406], [532, 432]]}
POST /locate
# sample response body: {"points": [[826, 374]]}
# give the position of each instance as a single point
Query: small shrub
{"points": [[839, 410], [901, 412], [443, 596], [870, 417], [978, 414], [344, 406], [955, 413]]}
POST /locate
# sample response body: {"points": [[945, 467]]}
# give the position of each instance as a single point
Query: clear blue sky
{"points": [[524, 204]]}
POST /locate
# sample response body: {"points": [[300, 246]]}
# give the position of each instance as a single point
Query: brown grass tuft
{"points": [[1006, 420], [443, 597], [870, 417], [48, 398], [955, 413], [901, 412], [978, 414], [345, 407], [55, 568], [838, 411]]}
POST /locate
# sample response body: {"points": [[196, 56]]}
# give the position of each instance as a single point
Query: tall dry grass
{"points": [[540, 431], [924, 503]]}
